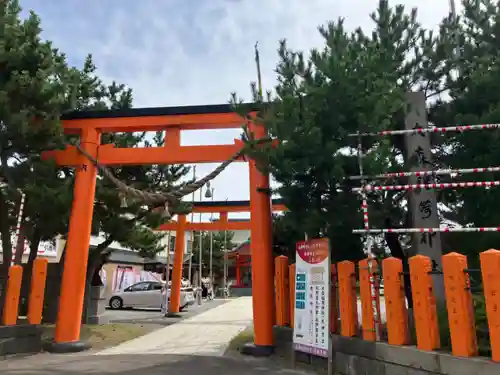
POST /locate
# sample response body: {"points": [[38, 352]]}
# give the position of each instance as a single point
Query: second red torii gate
{"points": [[181, 226], [223, 208]]}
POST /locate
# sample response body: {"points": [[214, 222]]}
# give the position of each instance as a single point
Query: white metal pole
{"points": [[167, 269], [211, 245], [167, 273], [453, 13], [192, 234], [200, 255], [200, 245], [225, 263]]}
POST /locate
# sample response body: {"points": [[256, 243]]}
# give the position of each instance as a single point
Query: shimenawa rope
{"points": [[172, 198]]}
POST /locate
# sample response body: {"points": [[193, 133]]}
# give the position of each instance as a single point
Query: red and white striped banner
{"points": [[18, 225], [426, 230], [371, 256], [448, 129], [446, 185], [437, 172]]}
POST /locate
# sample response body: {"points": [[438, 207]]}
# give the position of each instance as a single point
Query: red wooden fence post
{"points": [[347, 299], [367, 318], [424, 303], [459, 305], [37, 292], [282, 291], [12, 293], [490, 264], [395, 302]]}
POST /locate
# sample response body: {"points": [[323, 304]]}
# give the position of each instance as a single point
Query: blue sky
{"points": [[182, 52]]}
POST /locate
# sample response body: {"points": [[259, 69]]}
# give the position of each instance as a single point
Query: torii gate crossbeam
{"points": [[222, 208]]}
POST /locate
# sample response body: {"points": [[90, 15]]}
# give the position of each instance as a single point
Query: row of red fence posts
{"points": [[459, 302], [36, 296]]}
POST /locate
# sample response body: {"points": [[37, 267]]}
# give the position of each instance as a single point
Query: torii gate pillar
{"points": [[69, 315], [262, 259], [175, 289]]}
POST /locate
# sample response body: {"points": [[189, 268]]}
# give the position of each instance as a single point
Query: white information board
{"points": [[312, 291]]}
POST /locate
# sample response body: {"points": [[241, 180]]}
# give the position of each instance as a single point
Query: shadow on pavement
{"points": [[146, 364], [133, 315]]}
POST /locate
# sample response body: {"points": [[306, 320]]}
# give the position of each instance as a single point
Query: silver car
{"points": [[147, 294]]}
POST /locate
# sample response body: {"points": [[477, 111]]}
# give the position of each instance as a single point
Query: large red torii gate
{"points": [[89, 126], [223, 223]]}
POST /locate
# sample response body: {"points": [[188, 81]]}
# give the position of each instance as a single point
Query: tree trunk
{"points": [[28, 270], [392, 240], [34, 243]]}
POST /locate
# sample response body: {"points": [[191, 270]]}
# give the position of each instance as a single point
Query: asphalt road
{"points": [[144, 316]]}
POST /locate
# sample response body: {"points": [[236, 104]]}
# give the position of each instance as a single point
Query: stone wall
{"points": [[97, 301], [353, 356], [21, 339]]}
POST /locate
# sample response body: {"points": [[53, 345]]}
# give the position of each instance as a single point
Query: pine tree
{"points": [[285, 236], [32, 93], [36, 88], [220, 241], [356, 82], [474, 99]]}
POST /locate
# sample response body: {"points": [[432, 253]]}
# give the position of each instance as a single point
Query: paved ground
{"points": [[145, 364], [194, 345], [144, 316], [207, 333]]}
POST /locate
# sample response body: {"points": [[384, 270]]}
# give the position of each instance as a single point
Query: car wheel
{"points": [[182, 308], [116, 303]]}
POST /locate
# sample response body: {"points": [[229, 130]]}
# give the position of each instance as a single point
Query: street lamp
{"points": [[192, 233], [200, 253], [225, 290], [210, 194], [209, 191]]}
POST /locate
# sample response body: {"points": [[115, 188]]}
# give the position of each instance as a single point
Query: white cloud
{"points": [[198, 51]]}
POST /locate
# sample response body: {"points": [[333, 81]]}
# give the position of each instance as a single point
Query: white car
{"points": [[147, 294]]}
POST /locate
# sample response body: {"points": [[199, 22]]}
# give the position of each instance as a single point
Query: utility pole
{"points": [[200, 253], [453, 14], [192, 234], [211, 242], [167, 274], [225, 264], [259, 76]]}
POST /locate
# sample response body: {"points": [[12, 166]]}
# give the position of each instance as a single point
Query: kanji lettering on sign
{"points": [[417, 126], [425, 208], [420, 156], [426, 238]]}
